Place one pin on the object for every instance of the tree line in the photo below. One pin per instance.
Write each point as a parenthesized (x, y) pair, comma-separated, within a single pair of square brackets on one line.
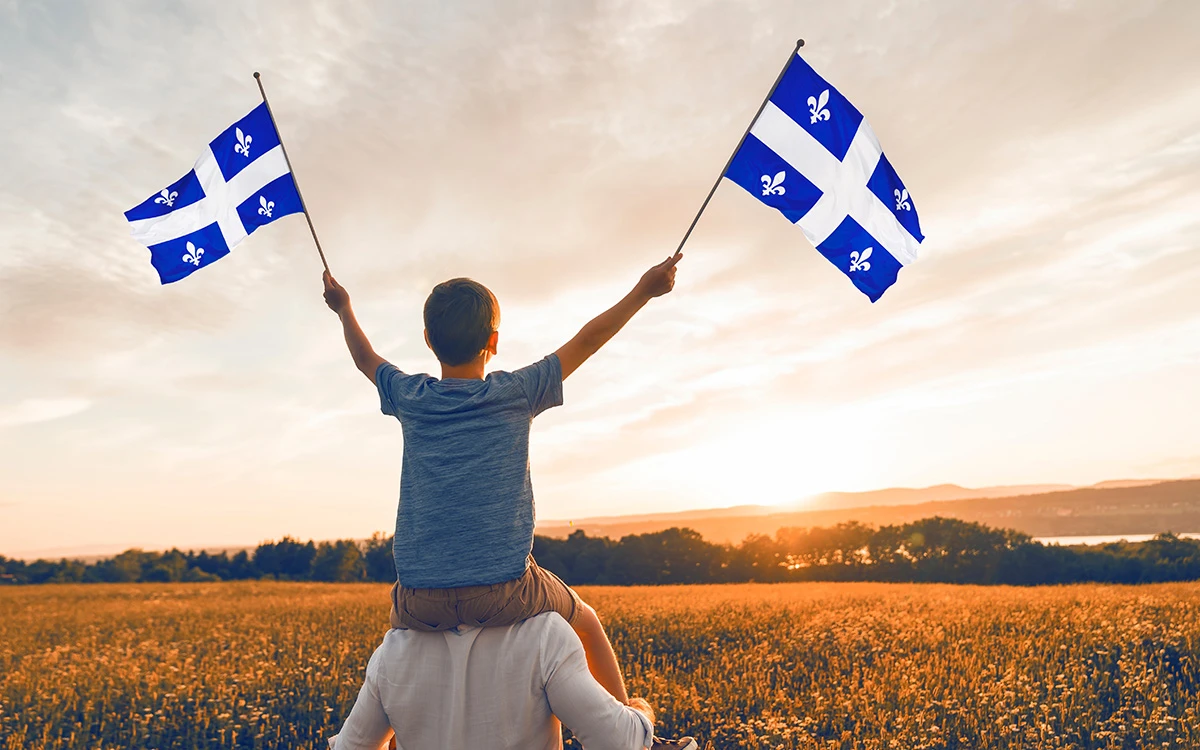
[(943, 550)]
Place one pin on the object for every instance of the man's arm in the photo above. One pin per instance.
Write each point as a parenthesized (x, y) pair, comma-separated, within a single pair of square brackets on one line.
[(368, 726), (590, 711), (654, 283), (365, 358)]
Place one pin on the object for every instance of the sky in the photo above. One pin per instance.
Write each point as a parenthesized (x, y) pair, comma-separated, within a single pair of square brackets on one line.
[(1049, 332)]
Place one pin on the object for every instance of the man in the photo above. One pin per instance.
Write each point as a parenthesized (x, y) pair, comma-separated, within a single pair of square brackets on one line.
[(499, 688)]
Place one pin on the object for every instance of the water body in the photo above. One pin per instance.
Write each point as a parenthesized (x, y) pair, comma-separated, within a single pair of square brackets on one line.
[(1067, 541)]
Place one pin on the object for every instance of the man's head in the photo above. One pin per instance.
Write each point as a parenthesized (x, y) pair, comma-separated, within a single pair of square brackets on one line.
[(461, 318)]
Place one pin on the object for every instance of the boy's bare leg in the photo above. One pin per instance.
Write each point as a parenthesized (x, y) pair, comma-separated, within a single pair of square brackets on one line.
[(601, 659)]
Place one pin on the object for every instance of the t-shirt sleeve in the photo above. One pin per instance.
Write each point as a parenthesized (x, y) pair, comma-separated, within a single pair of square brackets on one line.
[(394, 388), (368, 725), (543, 383), (586, 708)]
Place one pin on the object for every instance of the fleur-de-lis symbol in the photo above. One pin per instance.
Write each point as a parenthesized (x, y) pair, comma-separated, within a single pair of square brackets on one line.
[(265, 207), (167, 197), (193, 254), (243, 145), (774, 186), (816, 107), (859, 262), (902, 200)]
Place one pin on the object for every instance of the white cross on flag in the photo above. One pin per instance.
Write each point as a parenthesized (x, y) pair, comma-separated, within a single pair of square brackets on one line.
[(238, 184), (812, 155)]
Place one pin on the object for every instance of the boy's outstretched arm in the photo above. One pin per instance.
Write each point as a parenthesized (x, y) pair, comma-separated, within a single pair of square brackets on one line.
[(654, 283), (338, 299)]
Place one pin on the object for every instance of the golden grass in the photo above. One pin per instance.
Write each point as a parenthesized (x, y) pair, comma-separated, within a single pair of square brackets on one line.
[(267, 665)]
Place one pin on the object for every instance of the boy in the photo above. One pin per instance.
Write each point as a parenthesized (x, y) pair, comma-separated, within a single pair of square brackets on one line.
[(464, 528)]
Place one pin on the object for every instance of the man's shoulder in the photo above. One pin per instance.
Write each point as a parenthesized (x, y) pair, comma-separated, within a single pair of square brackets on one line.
[(546, 622), (544, 633), (538, 626), (550, 631)]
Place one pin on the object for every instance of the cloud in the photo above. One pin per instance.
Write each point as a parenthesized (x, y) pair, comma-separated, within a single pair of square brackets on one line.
[(554, 153), (35, 410)]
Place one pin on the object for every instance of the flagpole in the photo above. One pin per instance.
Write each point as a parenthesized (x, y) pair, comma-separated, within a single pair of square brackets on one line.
[(288, 161), (799, 44)]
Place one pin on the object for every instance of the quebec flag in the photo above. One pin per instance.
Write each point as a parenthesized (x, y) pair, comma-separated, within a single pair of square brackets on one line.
[(238, 184), (812, 156)]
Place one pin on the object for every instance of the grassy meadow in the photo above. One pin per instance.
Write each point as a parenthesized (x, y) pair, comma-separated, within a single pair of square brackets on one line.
[(822, 665)]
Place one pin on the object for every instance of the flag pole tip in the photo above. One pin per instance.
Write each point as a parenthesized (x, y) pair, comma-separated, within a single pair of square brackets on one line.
[(256, 75), (799, 43)]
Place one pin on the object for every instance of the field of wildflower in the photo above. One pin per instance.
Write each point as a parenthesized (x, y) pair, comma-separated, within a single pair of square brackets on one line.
[(277, 665)]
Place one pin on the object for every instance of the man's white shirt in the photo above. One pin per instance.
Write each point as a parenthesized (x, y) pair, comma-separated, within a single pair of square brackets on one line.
[(487, 688)]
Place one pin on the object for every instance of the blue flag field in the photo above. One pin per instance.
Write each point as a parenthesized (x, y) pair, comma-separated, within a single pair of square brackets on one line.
[(238, 184), (813, 157)]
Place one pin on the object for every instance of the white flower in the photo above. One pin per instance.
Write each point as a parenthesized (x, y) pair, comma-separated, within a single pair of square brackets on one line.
[(773, 186), (816, 107), (193, 254), (243, 145), (859, 262)]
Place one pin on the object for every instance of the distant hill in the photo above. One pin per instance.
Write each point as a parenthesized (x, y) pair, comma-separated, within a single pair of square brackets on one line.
[(1133, 507), (1115, 483), (905, 496), (1120, 506), (828, 500)]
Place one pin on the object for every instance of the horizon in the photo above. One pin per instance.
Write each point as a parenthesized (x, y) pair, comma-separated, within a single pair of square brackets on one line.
[(1048, 334), (102, 551)]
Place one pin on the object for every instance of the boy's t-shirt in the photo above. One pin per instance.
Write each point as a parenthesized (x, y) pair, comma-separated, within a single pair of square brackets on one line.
[(466, 500)]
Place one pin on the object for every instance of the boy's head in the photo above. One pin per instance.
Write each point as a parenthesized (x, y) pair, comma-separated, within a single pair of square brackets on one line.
[(461, 318)]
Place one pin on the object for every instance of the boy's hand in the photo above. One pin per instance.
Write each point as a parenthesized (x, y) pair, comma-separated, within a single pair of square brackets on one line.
[(660, 279), (338, 299), (654, 283), (336, 295)]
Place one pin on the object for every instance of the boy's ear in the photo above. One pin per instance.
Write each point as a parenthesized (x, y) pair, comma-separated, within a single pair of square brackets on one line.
[(427, 340), (492, 341)]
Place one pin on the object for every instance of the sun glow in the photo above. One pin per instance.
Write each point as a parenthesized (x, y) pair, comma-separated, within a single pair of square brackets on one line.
[(780, 458)]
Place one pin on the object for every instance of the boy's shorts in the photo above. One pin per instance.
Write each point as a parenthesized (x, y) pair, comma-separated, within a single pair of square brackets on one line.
[(536, 591)]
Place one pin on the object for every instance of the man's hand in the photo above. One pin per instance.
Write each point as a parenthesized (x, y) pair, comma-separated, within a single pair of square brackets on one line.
[(336, 295), (660, 279)]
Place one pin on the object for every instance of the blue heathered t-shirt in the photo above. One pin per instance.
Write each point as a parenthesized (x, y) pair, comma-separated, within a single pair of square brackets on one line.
[(466, 500)]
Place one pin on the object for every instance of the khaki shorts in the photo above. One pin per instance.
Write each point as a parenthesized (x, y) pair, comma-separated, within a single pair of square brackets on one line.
[(536, 591)]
